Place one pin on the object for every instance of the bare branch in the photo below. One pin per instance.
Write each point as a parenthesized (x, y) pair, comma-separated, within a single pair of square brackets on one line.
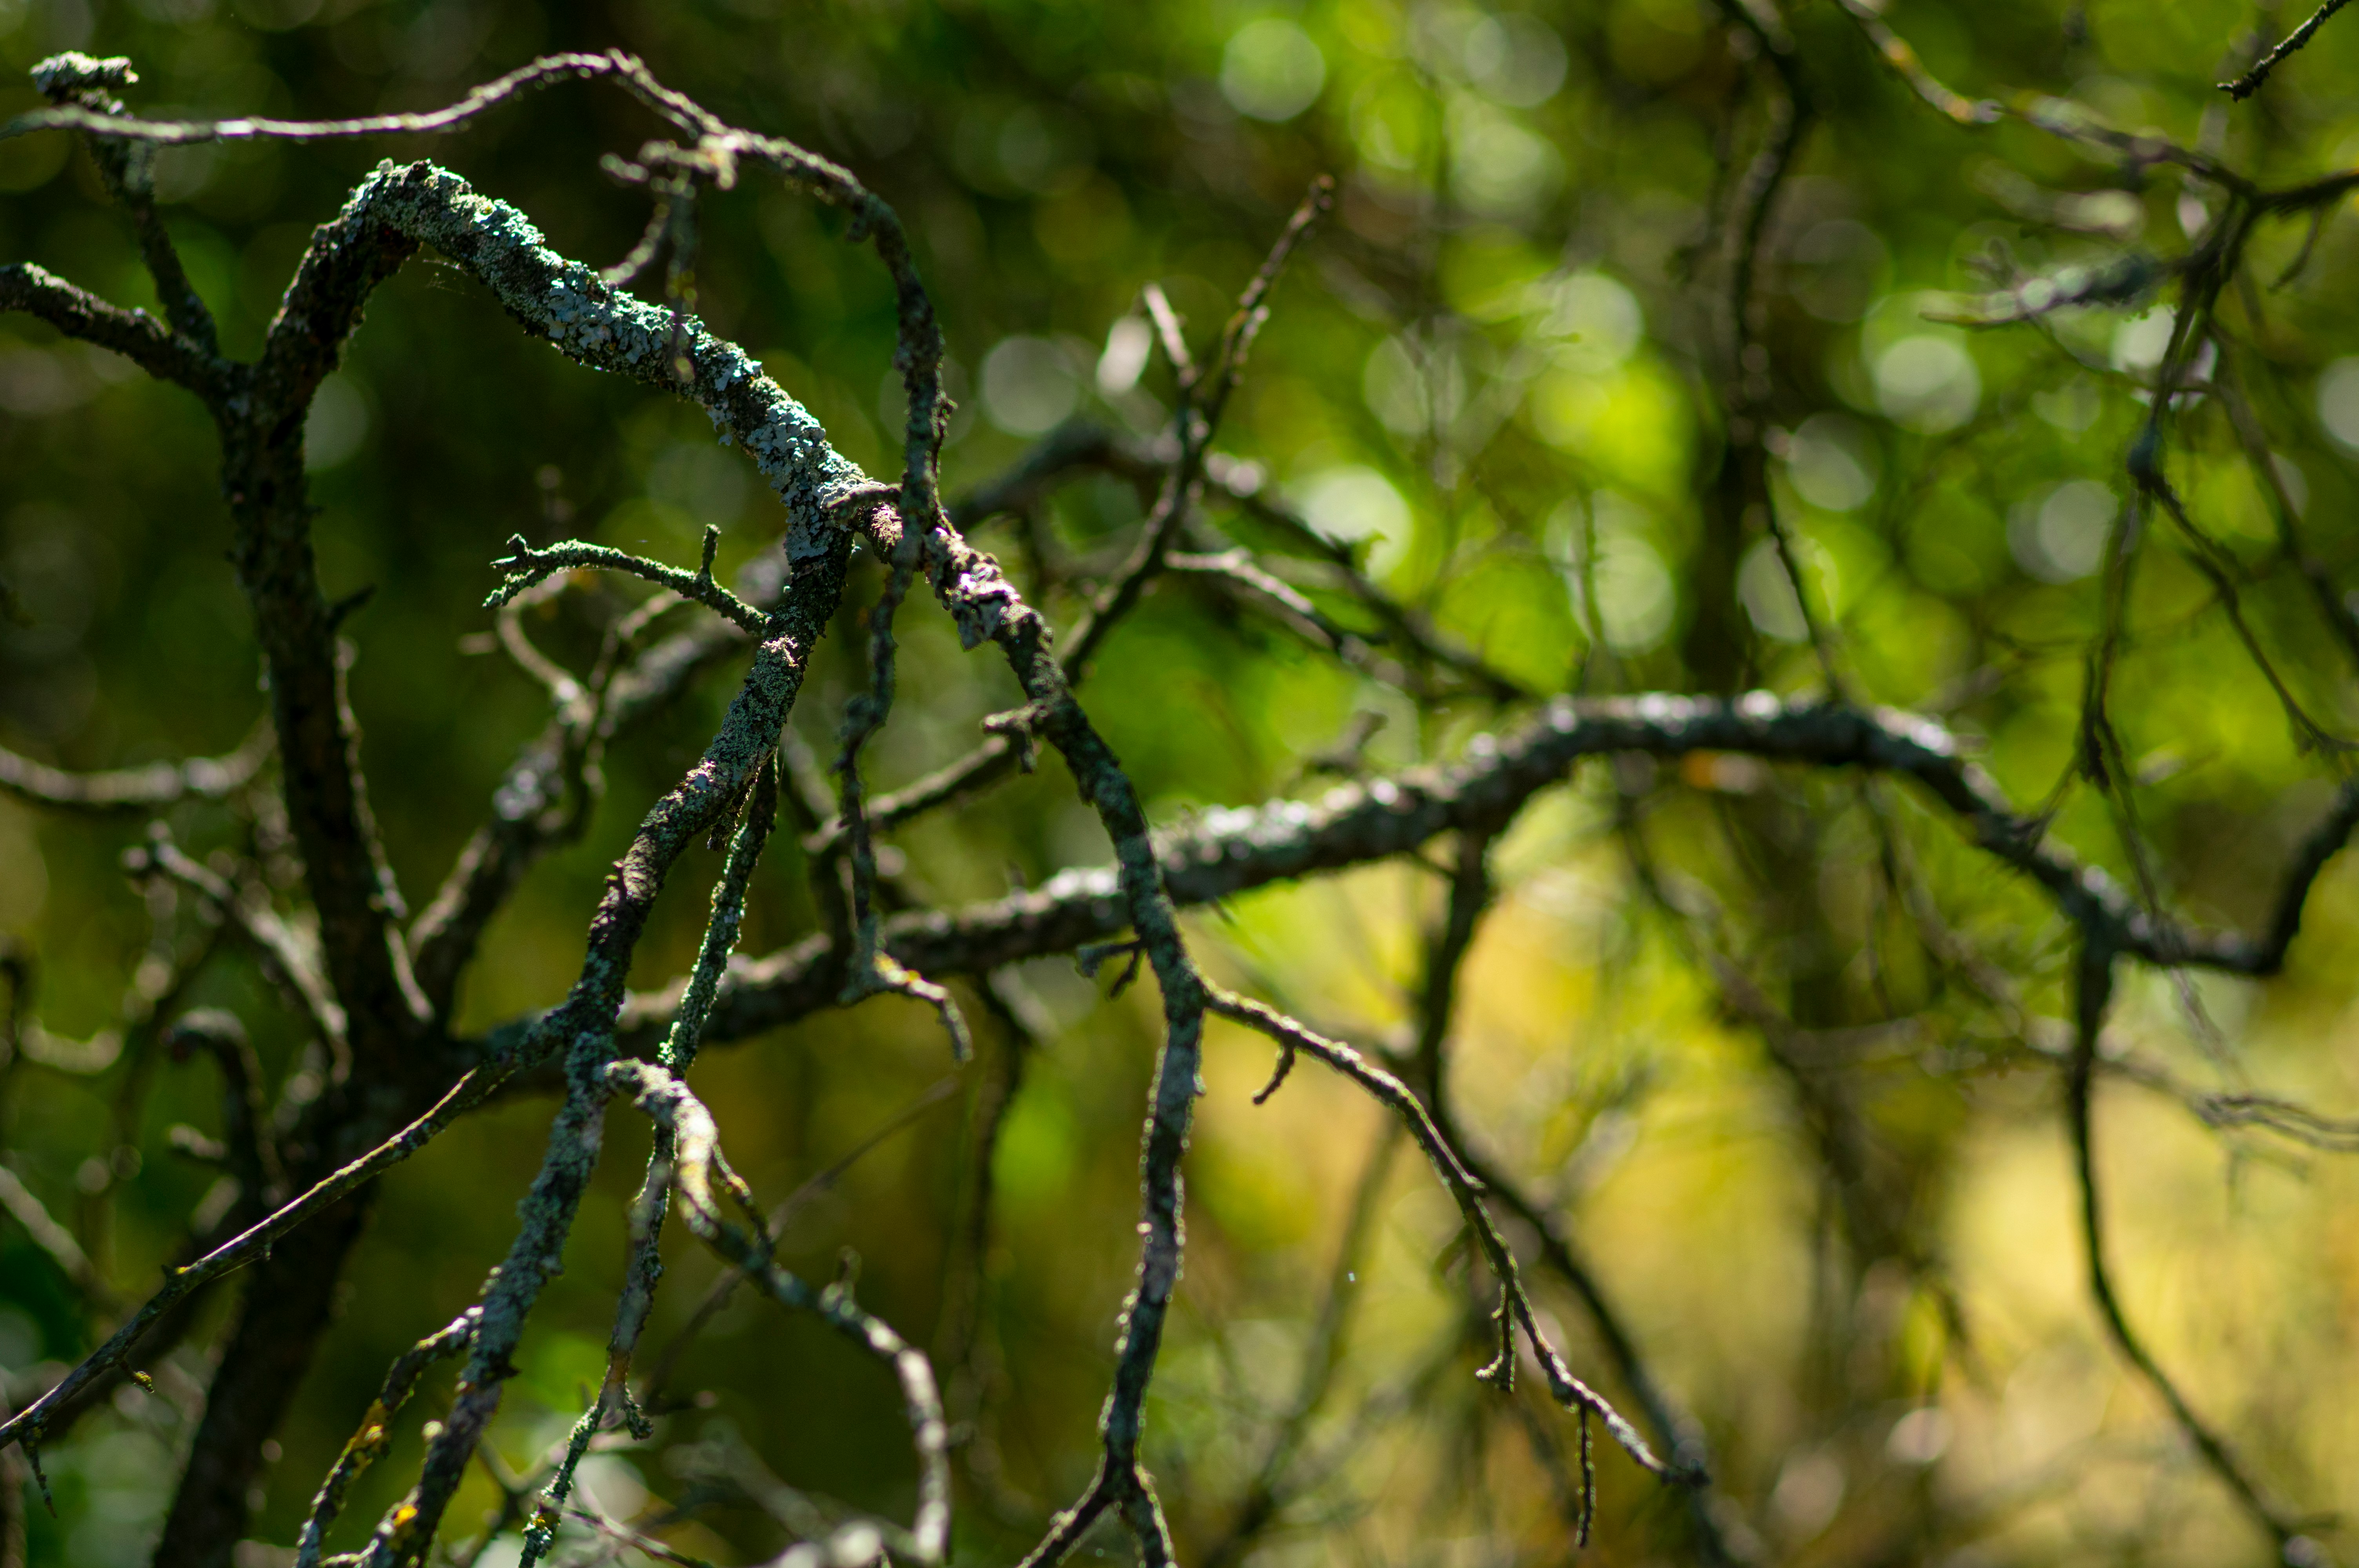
[(2093, 994), (1234, 850), (149, 788), (871, 971), (2244, 86), (253, 1153), (1568, 1390), (53, 1238), (1203, 398), (1897, 54), (136, 335), (290, 960), (127, 169), (524, 566), (756, 816), (389, 1024), (635, 1541), (697, 1152), (774, 1226), (1674, 1430), (546, 796), (493, 94), (372, 1441), (582, 1029), (30, 1424)]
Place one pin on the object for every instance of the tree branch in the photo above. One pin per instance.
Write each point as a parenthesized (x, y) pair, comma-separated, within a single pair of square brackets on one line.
[(371, 1441), (149, 788), (698, 1151), (30, 1424), (2244, 86), (2093, 992), (136, 335), (1236, 850), (53, 1238), (1516, 1309), (582, 1029)]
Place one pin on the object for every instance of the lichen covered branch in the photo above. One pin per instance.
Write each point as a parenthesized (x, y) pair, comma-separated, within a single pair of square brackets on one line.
[(696, 1155)]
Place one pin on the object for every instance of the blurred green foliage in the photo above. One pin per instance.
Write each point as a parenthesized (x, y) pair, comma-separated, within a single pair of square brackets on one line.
[(1499, 368)]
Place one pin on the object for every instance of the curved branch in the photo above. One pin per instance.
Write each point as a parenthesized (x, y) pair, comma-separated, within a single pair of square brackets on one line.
[(149, 788), (53, 1238), (524, 566), (1677, 1433), (1231, 851), (1202, 399), (371, 1441), (1567, 1390), (546, 796), (697, 1150), (2093, 992), (526, 79), (582, 1029), (756, 816), (1905, 64)]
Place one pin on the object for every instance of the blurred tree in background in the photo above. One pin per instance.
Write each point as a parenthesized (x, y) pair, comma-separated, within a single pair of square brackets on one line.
[(1988, 363)]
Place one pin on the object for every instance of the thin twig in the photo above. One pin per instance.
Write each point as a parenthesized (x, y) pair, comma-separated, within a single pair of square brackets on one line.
[(1204, 396), (1568, 1390), (371, 1441), (28, 1424), (2244, 86), (1903, 60), (1229, 852), (52, 1239), (774, 1228), (525, 566), (2093, 992), (696, 1157)]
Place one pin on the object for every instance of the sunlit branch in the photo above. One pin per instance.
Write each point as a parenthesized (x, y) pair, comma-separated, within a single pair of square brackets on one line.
[(757, 813), (872, 971), (1674, 1430), (1204, 395), (149, 788), (526, 565), (546, 796), (2093, 994), (581, 1029), (128, 171), (2244, 86), (481, 100), (1903, 60), (357, 979), (1568, 1391), (1234, 851), (775, 1224)]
